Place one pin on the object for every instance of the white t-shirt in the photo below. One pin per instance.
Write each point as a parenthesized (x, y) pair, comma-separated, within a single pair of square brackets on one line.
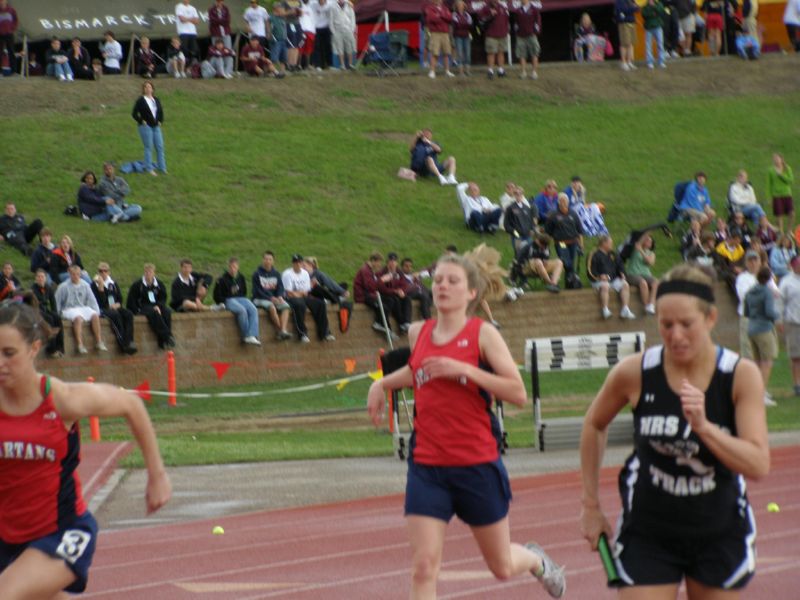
[(296, 282), (307, 22), (190, 12), (791, 15), (256, 18), (322, 18), (113, 52)]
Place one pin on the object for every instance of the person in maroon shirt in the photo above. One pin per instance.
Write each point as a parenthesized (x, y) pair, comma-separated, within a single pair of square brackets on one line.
[(462, 24), (494, 22), (366, 289), (219, 23), (528, 19), (437, 18), (8, 25), (255, 60)]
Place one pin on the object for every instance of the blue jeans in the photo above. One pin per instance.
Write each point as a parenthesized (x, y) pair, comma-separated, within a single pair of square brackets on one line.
[(59, 70), (463, 50), (151, 137), (246, 315), (753, 212), (568, 255), (132, 212), (658, 34)]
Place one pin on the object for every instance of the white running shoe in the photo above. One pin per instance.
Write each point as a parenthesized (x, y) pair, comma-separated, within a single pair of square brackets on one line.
[(624, 66), (534, 75), (451, 179), (650, 309), (606, 313), (432, 74), (552, 577), (101, 347), (626, 313), (449, 73), (443, 180)]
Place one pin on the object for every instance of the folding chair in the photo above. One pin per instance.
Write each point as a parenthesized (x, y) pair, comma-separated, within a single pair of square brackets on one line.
[(382, 54), (390, 362)]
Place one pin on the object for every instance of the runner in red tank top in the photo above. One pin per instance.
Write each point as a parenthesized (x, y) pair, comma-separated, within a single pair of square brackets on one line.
[(457, 363), (47, 537)]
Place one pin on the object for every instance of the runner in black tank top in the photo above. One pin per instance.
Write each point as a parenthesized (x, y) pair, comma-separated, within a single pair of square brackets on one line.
[(700, 428)]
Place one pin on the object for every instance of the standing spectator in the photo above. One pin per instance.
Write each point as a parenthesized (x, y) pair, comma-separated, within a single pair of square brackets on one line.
[(714, 10), (653, 14), (480, 214), (8, 26), (257, 19), (42, 255), (343, 32), (745, 280), (221, 59), (186, 20), (309, 29), (366, 290), (696, 202), (605, 271), (686, 16), (80, 62), (638, 272), (297, 283), (16, 231), (462, 36), (438, 17), (76, 303), (759, 308), (189, 289), (425, 158), (528, 26), (93, 204), (231, 290), (789, 321), (111, 51), (148, 297), (672, 29), (10, 286), (149, 115), (63, 258), (742, 198), (294, 35), (564, 226), (779, 188), (494, 19), (219, 24), (115, 187), (109, 298), (268, 293), (58, 61), (791, 18), (145, 59), (415, 289), (176, 59), (546, 201), (781, 256), (45, 295), (625, 14), (278, 46), (322, 34)]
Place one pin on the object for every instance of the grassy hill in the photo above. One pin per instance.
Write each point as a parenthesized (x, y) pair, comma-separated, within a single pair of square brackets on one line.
[(308, 164)]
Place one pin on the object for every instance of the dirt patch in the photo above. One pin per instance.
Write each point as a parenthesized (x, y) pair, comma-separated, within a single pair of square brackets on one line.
[(391, 136)]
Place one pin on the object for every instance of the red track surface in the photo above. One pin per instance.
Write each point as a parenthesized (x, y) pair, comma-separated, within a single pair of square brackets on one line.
[(98, 461), (359, 550)]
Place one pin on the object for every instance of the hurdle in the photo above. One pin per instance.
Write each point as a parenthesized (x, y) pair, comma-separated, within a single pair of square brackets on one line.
[(573, 353)]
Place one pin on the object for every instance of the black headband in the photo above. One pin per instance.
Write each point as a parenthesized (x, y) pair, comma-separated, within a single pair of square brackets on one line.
[(681, 286)]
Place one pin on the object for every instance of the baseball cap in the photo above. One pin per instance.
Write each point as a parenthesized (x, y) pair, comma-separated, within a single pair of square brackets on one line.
[(297, 257), (751, 254)]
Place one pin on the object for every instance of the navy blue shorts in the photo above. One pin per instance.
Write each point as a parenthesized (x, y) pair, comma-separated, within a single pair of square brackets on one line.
[(294, 35), (479, 495), (74, 545)]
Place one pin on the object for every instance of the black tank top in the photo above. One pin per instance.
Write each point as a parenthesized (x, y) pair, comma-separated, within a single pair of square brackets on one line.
[(672, 484)]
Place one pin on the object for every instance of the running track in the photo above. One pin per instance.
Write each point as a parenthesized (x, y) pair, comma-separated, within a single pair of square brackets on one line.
[(358, 549)]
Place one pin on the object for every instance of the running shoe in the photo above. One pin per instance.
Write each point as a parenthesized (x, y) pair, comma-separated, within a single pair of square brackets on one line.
[(552, 577)]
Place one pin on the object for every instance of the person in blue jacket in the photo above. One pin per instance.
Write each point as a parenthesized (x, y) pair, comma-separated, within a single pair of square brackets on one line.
[(696, 202)]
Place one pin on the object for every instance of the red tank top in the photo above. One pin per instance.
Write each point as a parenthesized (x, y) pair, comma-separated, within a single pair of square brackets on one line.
[(39, 489), (453, 421)]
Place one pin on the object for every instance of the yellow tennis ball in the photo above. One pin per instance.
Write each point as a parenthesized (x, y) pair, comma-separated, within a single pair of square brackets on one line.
[(218, 530), (773, 507)]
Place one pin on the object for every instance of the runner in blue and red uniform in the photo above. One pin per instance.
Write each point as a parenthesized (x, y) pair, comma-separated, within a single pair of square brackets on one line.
[(457, 364), (699, 429), (47, 536)]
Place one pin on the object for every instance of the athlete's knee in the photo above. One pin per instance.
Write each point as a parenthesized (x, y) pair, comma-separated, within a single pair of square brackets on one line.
[(425, 568), (501, 568)]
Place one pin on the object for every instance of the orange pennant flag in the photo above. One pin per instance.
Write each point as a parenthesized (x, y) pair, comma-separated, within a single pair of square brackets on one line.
[(221, 369), (143, 390), (349, 365)]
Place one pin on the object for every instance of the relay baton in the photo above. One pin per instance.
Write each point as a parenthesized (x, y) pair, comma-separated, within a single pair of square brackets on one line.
[(614, 580)]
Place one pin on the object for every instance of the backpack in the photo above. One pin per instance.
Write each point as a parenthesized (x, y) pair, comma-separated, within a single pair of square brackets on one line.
[(72, 211)]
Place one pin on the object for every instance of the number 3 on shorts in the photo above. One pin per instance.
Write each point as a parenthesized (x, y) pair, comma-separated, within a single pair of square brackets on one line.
[(73, 545)]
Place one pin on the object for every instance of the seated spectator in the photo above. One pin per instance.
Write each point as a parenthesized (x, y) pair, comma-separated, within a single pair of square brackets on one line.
[(231, 290), (323, 286), (109, 298), (721, 231), (519, 220), (534, 260), (588, 45), (696, 202), (638, 272), (425, 159), (576, 192), (35, 68), (189, 289), (221, 59), (10, 286), (80, 62), (366, 291), (16, 231), (391, 283), (564, 226), (747, 45), (297, 283), (480, 214), (146, 59), (730, 257), (415, 289), (93, 204), (692, 239), (111, 51), (546, 201), (176, 59), (44, 293), (114, 186), (737, 221), (148, 297), (76, 303), (62, 258), (255, 62), (763, 256), (766, 234), (780, 258), (742, 198), (590, 214), (705, 254), (268, 293), (58, 62), (606, 271), (42, 255)]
